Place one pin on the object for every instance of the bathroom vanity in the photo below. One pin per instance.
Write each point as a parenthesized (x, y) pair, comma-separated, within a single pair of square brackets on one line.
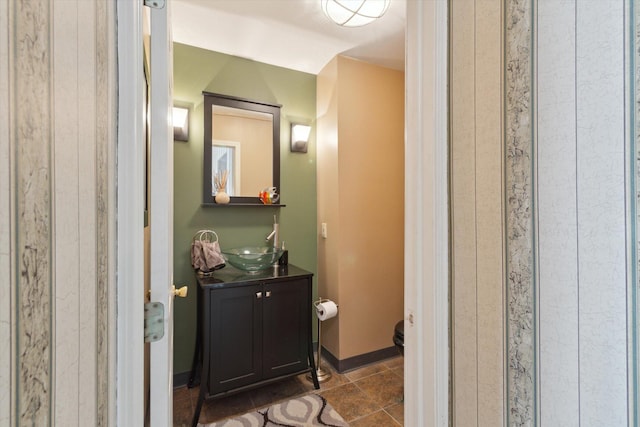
[(253, 329)]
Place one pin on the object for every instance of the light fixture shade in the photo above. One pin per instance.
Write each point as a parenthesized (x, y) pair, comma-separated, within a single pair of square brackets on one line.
[(180, 124), (299, 137), (354, 13)]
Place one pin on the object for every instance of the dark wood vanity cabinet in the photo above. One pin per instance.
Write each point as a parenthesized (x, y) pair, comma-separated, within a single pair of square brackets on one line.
[(258, 332), (253, 329)]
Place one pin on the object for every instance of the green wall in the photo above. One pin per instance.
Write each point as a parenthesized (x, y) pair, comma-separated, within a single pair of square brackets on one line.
[(196, 70)]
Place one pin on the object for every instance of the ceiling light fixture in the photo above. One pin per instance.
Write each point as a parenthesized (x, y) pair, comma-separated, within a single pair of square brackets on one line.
[(354, 13)]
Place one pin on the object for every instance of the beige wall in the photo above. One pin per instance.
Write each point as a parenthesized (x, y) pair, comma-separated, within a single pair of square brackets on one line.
[(328, 203), (361, 199)]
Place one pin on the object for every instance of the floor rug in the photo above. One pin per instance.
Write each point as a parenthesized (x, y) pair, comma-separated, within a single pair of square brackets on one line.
[(311, 410)]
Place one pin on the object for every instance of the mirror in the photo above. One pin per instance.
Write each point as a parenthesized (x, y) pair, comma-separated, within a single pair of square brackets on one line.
[(242, 140)]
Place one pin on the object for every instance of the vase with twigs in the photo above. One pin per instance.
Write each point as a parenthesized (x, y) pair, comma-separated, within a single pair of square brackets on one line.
[(220, 182)]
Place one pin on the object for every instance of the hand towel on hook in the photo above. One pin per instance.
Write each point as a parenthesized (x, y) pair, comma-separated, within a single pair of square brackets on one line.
[(205, 253)]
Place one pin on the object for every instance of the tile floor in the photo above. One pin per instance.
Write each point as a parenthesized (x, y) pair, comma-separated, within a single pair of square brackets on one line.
[(365, 397)]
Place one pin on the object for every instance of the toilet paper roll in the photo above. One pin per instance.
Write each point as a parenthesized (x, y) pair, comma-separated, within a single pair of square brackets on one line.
[(326, 310)]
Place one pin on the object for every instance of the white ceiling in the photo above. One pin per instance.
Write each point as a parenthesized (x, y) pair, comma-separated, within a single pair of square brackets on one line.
[(293, 34)]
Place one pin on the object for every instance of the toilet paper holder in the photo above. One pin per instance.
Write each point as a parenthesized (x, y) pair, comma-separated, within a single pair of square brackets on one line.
[(320, 301), (318, 305), (321, 374)]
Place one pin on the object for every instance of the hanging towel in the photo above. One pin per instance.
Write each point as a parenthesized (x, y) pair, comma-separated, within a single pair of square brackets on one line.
[(212, 256), (197, 256), (205, 254)]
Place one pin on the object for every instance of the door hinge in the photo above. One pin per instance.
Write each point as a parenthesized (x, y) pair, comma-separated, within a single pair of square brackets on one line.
[(153, 321), (156, 4)]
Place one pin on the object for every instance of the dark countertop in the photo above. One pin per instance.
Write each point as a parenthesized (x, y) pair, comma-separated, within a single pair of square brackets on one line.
[(230, 276)]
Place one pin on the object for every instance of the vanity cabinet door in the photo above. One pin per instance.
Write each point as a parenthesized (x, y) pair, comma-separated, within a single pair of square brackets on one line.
[(236, 337), (286, 326)]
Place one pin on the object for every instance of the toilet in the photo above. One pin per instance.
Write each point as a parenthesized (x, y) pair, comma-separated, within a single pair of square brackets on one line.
[(398, 336)]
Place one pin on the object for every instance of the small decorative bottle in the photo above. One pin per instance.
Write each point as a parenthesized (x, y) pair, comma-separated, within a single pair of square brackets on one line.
[(222, 198)]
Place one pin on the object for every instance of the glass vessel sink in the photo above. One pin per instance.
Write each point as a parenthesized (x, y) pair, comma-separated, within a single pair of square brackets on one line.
[(252, 258)]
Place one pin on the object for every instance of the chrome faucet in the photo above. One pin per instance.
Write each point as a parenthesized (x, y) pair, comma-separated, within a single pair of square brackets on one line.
[(274, 234)]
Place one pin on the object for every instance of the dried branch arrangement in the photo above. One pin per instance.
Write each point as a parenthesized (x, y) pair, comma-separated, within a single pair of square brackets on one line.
[(220, 180)]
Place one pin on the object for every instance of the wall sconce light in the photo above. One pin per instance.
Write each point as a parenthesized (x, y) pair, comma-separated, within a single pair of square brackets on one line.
[(354, 13), (180, 124), (299, 137)]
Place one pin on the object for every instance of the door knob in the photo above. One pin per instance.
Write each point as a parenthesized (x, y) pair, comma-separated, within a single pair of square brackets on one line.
[(182, 292)]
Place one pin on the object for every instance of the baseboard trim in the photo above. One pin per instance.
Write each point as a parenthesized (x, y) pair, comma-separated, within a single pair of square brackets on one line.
[(360, 360), (181, 379)]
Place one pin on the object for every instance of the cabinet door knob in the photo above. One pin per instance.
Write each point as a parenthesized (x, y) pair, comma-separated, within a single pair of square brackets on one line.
[(268, 294), (258, 295)]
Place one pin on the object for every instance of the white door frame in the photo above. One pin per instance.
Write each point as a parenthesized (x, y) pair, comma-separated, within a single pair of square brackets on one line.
[(161, 213), (426, 217), (129, 388), (129, 393)]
